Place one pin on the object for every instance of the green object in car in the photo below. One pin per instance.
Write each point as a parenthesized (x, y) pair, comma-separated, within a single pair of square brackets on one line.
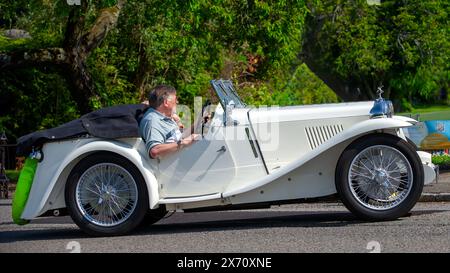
[(23, 190)]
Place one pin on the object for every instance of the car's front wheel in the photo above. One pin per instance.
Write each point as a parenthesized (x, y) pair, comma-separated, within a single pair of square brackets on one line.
[(106, 195), (379, 177)]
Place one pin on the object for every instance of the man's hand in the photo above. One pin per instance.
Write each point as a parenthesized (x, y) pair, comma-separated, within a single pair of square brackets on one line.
[(206, 118), (177, 119), (190, 139)]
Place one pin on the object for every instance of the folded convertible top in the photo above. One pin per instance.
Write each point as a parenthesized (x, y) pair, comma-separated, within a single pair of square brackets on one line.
[(111, 122)]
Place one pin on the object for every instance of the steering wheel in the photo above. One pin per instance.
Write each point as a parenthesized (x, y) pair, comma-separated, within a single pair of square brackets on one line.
[(206, 114)]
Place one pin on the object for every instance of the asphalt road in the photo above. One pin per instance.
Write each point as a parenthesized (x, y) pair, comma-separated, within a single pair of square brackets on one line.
[(322, 227)]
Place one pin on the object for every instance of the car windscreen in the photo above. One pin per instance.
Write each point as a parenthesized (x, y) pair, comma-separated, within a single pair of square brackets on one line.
[(226, 93)]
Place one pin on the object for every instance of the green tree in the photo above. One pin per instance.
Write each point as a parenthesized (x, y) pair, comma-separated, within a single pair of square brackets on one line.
[(186, 43), (106, 52), (61, 36), (403, 45)]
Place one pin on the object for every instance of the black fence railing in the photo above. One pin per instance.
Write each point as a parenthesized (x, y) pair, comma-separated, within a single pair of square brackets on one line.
[(10, 155)]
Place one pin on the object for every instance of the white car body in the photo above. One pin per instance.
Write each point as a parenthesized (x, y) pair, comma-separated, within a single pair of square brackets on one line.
[(263, 155)]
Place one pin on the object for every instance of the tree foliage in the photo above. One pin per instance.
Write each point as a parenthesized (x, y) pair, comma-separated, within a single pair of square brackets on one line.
[(66, 60), (403, 45), (183, 43)]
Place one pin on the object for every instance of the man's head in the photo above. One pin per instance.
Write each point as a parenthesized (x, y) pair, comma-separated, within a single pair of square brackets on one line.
[(164, 99)]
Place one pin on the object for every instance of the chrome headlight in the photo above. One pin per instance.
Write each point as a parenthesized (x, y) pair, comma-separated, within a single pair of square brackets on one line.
[(382, 108)]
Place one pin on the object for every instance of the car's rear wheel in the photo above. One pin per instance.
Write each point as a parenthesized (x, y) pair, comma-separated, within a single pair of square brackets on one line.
[(379, 177), (106, 195)]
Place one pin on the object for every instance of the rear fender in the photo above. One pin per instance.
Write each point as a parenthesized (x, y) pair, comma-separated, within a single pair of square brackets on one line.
[(53, 185)]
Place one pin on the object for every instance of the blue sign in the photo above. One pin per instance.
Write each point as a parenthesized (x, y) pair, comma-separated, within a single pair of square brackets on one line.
[(430, 134)]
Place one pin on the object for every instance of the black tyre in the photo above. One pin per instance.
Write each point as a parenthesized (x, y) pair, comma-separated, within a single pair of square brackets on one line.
[(106, 195), (413, 145), (379, 177), (154, 215)]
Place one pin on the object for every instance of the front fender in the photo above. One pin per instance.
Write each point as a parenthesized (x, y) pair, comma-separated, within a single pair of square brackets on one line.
[(358, 129), (38, 201), (371, 125)]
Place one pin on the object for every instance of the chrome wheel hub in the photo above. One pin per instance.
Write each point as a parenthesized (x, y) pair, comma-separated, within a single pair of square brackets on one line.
[(380, 176), (107, 193)]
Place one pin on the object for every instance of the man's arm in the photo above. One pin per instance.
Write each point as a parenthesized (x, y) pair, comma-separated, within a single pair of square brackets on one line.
[(163, 149), (168, 148)]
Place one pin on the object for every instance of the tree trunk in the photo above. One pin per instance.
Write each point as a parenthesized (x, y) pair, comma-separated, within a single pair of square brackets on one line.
[(44, 56), (142, 75), (71, 58)]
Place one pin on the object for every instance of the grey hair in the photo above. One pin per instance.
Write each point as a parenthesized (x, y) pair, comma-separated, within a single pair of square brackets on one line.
[(160, 93)]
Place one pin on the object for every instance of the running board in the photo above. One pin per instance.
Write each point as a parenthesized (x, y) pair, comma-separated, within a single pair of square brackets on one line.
[(188, 199)]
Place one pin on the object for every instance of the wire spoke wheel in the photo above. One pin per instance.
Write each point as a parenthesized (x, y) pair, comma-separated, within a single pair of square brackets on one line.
[(380, 177), (106, 194)]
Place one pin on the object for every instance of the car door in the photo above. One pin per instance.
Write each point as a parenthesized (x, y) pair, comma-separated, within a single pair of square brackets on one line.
[(206, 167)]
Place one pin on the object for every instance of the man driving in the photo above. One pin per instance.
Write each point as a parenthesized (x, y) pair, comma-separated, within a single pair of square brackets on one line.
[(160, 126)]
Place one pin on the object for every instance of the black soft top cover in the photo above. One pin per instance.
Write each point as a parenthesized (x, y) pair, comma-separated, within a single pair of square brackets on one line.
[(112, 122)]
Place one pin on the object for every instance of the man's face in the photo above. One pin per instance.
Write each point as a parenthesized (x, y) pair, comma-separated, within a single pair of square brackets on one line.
[(171, 103)]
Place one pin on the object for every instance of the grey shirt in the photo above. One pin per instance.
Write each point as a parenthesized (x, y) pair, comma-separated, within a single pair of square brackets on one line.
[(156, 128)]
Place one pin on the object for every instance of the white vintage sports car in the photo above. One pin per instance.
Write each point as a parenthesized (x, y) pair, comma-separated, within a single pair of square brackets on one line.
[(248, 158)]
